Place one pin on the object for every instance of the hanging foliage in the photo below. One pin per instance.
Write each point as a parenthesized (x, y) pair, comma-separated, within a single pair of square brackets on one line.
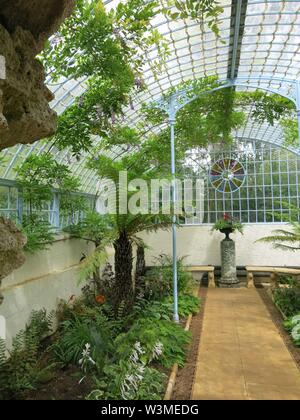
[(110, 48), (290, 129)]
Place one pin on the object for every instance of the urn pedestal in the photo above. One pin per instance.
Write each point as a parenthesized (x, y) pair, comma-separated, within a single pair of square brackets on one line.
[(228, 264)]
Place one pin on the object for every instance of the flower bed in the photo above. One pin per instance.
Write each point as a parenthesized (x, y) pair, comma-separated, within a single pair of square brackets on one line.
[(287, 300), (99, 352)]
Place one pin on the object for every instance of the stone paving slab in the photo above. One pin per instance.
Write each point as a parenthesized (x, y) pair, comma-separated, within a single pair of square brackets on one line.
[(241, 354)]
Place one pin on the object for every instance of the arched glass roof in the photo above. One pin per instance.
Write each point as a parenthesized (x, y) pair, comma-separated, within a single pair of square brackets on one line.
[(259, 48)]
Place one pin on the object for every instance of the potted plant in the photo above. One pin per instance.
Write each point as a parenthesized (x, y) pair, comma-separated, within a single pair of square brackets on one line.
[(228, 225)]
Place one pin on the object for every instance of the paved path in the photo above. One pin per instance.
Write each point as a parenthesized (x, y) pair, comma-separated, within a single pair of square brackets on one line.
[(241, 354)]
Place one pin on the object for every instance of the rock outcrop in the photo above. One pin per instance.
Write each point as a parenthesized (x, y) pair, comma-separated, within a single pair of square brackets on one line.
[(11, 249), (25, 25), (25, 114), (40, 17)]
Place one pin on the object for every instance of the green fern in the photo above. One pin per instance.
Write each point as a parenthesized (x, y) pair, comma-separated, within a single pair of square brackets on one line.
[(286, 239), (3, 356), (21, 370), (92, 263), (78, 331), (150, 331)]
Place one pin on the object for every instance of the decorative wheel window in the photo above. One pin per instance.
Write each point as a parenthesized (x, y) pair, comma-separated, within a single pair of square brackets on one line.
[(227, 175)]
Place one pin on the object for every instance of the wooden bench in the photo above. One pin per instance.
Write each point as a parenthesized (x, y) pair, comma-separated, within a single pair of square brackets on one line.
[(273, 271), (209, 269)]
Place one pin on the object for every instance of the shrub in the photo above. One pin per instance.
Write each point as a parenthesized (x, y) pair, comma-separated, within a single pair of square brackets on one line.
[(228, 222), (39, 233), (288, 300), (131, 378), (22, 370), (187, 304), (289, 280), (148, 332), (76, 332), (159, 280), (163, 309), (292, 325)]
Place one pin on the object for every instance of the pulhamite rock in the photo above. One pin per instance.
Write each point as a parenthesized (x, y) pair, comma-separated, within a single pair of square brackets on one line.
[(12, 242)]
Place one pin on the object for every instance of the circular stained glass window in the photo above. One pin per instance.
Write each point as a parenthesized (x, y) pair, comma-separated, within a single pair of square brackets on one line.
[(227, 175)]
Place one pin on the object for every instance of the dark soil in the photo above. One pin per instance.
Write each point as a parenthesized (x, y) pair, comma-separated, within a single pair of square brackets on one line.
[(278, 321), (185, 376), (63, 385)]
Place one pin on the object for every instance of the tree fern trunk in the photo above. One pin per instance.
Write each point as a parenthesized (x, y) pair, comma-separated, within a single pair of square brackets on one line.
[(123, 270), (140, 268)]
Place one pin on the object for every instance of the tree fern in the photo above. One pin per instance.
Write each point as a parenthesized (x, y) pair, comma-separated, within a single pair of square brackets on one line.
[(286, 239), (283, 239)]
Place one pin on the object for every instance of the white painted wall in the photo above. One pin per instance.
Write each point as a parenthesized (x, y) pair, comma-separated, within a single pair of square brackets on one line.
[(51, 275), (201, 246), (45, 278)]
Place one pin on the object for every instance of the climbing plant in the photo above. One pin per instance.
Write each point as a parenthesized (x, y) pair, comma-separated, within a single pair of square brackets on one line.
[(102, 41), (101, 45)]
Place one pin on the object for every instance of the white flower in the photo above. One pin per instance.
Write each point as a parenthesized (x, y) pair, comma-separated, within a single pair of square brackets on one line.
[(86, 358), (135, 373), (138, 347), (141, 368), (134, 357), (91, 361), (157, 350), (86, 351), (124, 392)]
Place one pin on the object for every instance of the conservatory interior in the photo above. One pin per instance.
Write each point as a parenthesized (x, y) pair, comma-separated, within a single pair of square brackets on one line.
[(149, 200)]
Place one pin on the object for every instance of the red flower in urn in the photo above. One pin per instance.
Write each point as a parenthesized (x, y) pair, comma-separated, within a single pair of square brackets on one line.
[(227, 217), (228, 225)]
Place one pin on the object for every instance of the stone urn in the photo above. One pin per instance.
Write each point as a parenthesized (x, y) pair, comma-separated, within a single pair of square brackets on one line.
[(228, 261), (227, 232)]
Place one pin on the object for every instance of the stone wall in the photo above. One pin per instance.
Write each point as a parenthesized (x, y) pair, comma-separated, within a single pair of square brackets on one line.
[(40, 17), (25, 114), (11, 249)]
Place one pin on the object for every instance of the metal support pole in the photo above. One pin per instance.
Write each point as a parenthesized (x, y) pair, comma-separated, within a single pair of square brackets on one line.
[(174, 230), (20, 205), (236, 38), (56, 211), (298, 107)]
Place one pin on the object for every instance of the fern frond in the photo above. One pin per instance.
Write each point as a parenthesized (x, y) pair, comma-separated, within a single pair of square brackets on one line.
[(3, 357), (286, 247), (92, 263)]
